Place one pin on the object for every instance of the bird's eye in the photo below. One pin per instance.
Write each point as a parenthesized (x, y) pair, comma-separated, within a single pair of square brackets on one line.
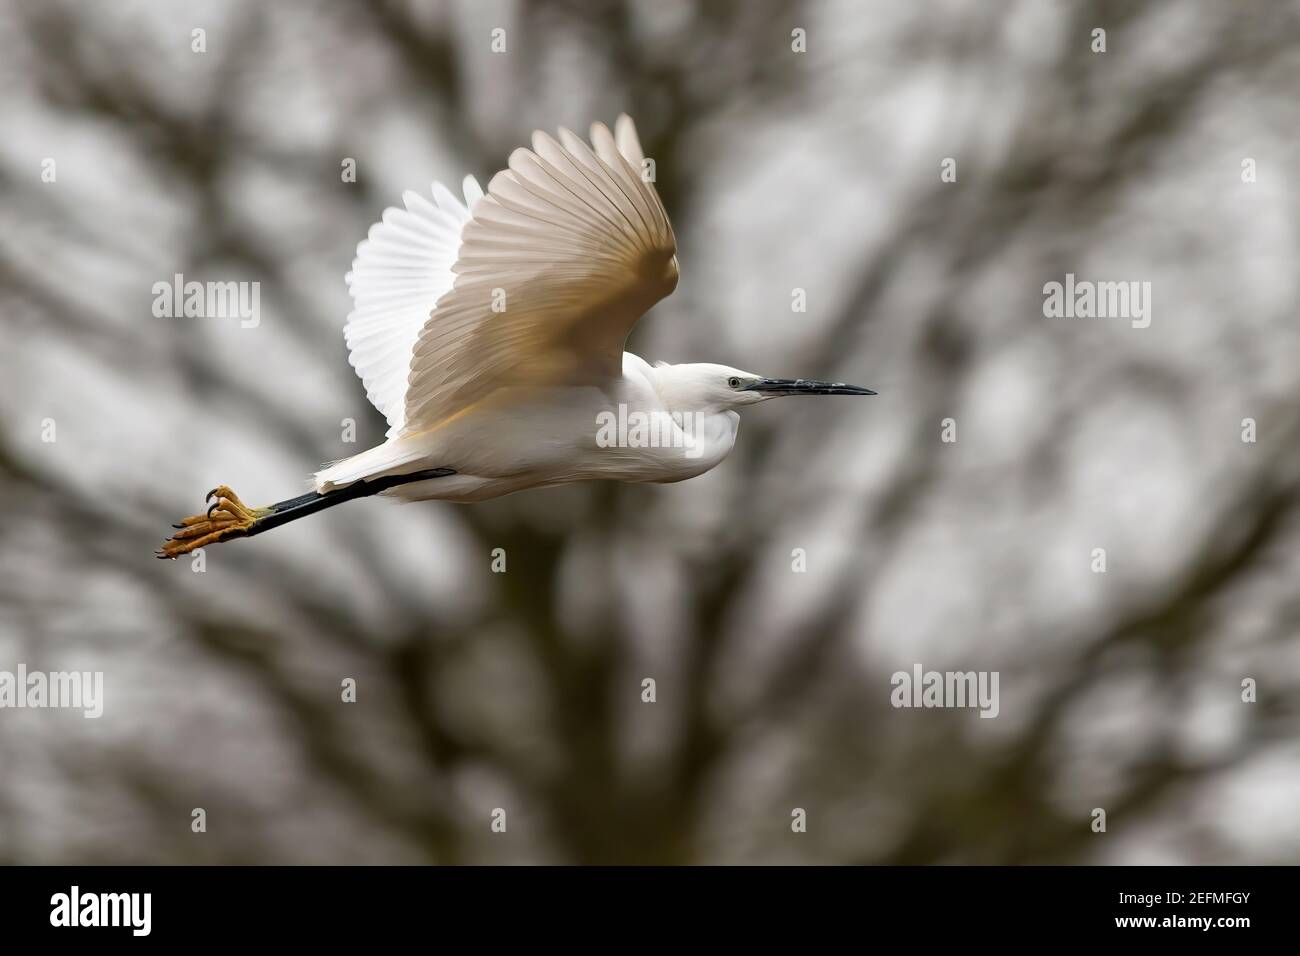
[(734, 382)]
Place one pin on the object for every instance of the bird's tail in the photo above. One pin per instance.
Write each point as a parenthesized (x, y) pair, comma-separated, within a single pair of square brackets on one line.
[(376, 462)]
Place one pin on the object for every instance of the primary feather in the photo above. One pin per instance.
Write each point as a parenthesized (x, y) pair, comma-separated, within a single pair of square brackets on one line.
[(403, 266), (565, 252)]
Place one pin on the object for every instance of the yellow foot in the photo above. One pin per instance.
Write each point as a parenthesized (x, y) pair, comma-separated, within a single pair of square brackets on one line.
[(226, 518)]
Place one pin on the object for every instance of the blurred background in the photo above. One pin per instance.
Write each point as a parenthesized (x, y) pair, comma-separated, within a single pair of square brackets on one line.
[(523, 691)]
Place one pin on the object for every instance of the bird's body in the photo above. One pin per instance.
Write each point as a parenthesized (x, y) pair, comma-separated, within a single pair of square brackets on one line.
[(530, 437), (489, 333)]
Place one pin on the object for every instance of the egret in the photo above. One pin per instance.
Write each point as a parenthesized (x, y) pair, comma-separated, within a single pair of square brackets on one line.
[(489, 333)]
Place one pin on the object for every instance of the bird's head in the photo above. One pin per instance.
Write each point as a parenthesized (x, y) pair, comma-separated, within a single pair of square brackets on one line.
[(709, 387)]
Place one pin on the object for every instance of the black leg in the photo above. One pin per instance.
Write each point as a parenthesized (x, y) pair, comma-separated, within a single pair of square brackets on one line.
[(282, 512)]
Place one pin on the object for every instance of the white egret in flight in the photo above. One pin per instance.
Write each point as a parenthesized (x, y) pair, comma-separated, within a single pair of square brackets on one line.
[(490, 335)]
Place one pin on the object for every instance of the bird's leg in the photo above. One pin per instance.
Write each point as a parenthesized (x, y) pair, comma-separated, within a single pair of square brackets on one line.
[(228, 517)]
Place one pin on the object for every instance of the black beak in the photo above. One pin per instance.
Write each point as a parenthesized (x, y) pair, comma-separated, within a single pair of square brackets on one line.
[(804, 386)]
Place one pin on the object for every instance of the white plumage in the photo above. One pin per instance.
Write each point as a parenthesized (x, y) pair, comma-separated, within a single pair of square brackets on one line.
[(477, 315), (489, 333), (403, 267)]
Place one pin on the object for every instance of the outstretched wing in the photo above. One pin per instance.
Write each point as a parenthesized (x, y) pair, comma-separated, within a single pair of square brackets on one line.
[(568, 248), (401, 270)]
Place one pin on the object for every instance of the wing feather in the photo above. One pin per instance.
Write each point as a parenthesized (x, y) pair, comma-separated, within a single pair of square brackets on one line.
[(567, 249), (402, 268)]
